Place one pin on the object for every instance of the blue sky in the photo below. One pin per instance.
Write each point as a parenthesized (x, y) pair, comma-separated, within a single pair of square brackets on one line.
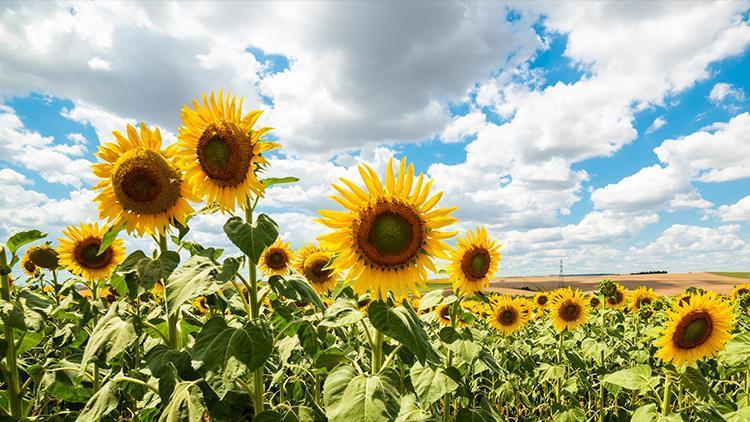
[(576, 132)]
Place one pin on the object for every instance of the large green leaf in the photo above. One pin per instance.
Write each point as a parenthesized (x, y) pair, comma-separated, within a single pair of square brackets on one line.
[(110, 236), (341, 313), (152, 270), (100, 404), (411, 411), (227, 353), (270, 181), (349, 396), (296, 289), (186, 404), (198, 276), (110, 337), (475, 415), (28, 311), (737, 351), (252, 239), (19, 239), (635, 378), (431, 384), (403, 325)]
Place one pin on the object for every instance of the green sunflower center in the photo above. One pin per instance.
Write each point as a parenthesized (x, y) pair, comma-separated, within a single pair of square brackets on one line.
[(570, 312), (507, 317), (225, 153), (87, 254), (145, 183), (476, 263), (693, 330), (389, 235)]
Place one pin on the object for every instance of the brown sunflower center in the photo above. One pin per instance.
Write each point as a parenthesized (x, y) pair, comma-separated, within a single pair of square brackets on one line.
[(389, 235), (542, 300), (225, 153), (445, 313), (276, 259), (508, 317), (594, 301), (145, 183), (475, 263), (29, 266), (616, 298), (87, 254), (742, 291), (315, 268), (693, 330), (643, 301), (570, 312), (44, 256)]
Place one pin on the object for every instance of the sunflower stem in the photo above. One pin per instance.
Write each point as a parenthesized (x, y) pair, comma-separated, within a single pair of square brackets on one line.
[(448, 364), (94, 293), (14, 398), (172, 320), (259, 387), (602, 391), (666, 401), (560, 346), (377, 350), (747, 385)]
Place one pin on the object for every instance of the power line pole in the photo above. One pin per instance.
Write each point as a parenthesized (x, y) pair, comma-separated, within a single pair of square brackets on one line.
[(561, 278)]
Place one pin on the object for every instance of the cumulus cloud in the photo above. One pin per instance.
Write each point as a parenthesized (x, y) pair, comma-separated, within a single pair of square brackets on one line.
[(657, 124), (739, 211), (723, 91)]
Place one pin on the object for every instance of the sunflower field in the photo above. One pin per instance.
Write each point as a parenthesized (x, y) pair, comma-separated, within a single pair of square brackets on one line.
[(338, 330)]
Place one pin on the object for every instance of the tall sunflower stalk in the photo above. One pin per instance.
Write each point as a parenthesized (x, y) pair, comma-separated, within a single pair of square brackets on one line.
[(11, 364)]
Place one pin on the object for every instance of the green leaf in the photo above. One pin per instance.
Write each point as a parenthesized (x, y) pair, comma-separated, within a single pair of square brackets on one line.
[(349, 396), (343, 312), (110, 337), (737, 351), (649, 413), (330, 358), (635, 378), (270, 181), (296, 289), (28, 311), (435, 298), (227, 353), (252, 239), (474, 415), (101, 404), (467, 349), (186, 404), (152, 270), (110, 236), (198, 276), (403, 325), (574, 414), (19, 239), (410, 410), (431, 384)]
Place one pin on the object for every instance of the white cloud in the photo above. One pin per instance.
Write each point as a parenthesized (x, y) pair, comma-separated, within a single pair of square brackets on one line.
[(97, 63), (56, 163), (657, 124), (463, 127), (724, 91), (12, 177), (715, 154), (739, 211)]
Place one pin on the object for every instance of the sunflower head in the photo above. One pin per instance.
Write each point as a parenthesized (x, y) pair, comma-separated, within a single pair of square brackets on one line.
[(221, 152), (698, 329), (276, 259), (28, 266), (474, 262), (618, 299), (541, 300), (389, 233), (642, 296), (200, 305), (443, 314), (79, 252), (157, 292), (44, 257), (741, 294), (108, 294), (141, 184), (568, 309), (509, 315), (315, 263), (594, 301), (48, 289)]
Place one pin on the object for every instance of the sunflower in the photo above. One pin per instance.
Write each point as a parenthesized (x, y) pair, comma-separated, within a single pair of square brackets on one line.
[(157, 292), (742, 289), (696, 329), (642, 296), (619, 298), (28, 265), (568, 309), (541, 300), (473, 262), (594, 301), (508, 315), (200, 305), (108, 294), (443, 314), (276, 259), (682, 299), (220, 151), (48, 289), (142, 185), (44, 257), (79, 252), (85, 292), (388, 235), (316, 264)]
